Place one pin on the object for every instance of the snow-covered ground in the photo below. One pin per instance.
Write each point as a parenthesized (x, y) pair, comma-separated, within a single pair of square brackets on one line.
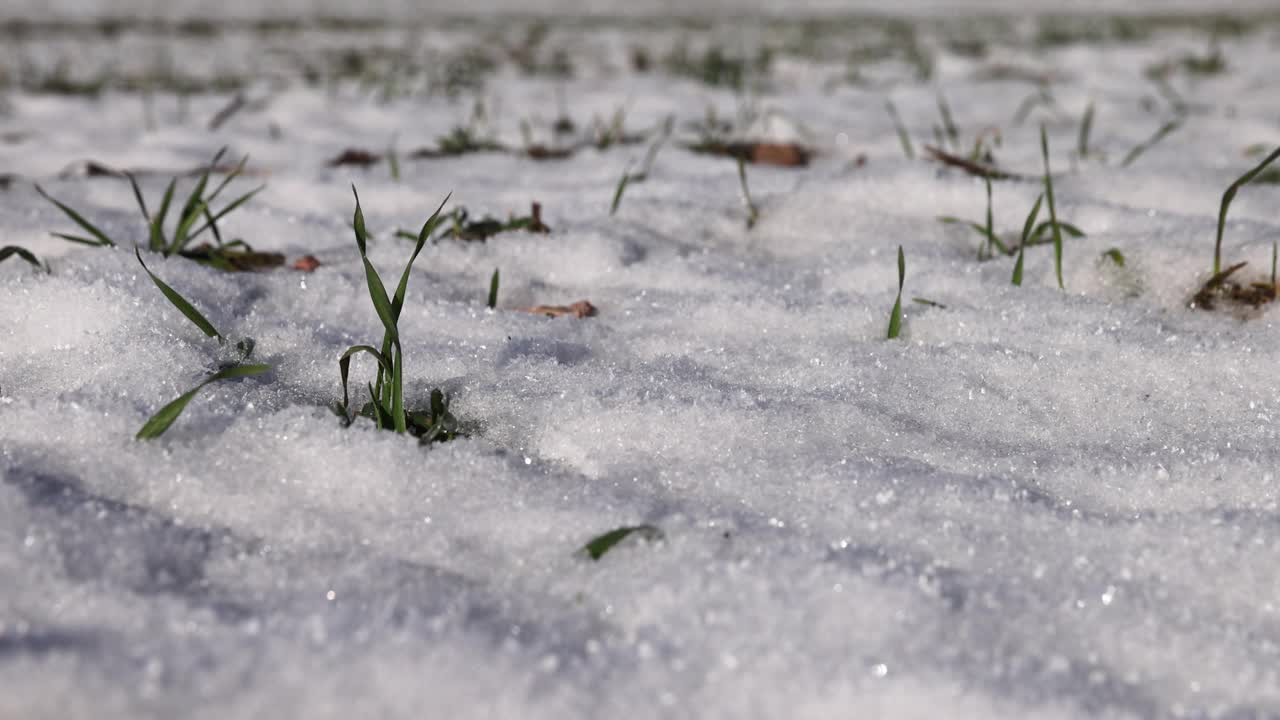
[(1036, 503)]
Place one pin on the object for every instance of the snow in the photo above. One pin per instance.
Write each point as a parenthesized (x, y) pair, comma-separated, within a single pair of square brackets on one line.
[(1035, 504)]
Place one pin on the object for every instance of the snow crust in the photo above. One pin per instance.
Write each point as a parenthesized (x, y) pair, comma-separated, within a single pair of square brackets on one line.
[(1035, 504)]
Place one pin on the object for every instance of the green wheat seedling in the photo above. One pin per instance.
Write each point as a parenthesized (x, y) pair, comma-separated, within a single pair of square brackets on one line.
[(895, 316), (197, 207), (753, 213), (985, 231), (165, 417), (1228, 196), (386, 404), (9, 251)]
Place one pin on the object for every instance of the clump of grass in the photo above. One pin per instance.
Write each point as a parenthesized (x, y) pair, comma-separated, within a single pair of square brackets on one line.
[(198, 206), (895, 316), (753, 213), (9, 251), (1228, 196), (386, 406), (462, 227), (462, 140), (596, 547), (167, 415)]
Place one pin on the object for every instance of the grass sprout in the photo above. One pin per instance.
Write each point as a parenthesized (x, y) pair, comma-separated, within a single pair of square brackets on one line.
[(895, 316), (1115, 256), (596, 547), (493, 290), (1230, 195), (386, 404)]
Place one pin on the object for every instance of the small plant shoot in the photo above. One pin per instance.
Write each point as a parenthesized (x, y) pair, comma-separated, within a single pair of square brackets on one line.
[(601, 544), (895, 316)]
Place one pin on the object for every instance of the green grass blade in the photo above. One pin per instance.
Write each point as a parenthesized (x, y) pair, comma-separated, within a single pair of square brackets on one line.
[(599, 545), (1026, 237), (397, 391), (428, 228), (493, 290), (235, 173), (1230, 195), (903, 137), (161, 421), (1115, 256), (990, 231), (948, 124), (157, 242), (78, 219), (137, 194), (77, 239), (381, 303), (180, 234), (9, 251), (1086, 127), (895, 316), (617, 194), (357, 223), (212, 221), (344, 366), (1053, 212), (1146, 145), (1031, 219), (180, 302), (753, 214)]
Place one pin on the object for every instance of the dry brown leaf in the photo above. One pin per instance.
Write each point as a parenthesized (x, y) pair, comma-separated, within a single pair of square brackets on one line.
[(306, 263), (580, 309)]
